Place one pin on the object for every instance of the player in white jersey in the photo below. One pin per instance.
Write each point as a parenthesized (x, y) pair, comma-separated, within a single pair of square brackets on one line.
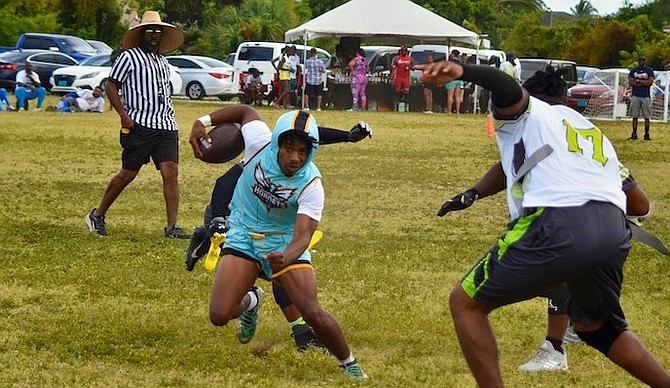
[(564, 195)]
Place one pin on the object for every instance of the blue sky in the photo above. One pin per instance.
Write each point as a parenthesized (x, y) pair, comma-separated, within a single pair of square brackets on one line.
[(604, 7)]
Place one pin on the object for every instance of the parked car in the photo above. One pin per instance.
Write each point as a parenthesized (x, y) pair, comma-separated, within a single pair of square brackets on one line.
[(93, 72), (204, 76), (73, 46), (44, 63), (230, 59), (100, 47), (380, 58), (585, 72), (530, 65), (261, 55), (599, 89)]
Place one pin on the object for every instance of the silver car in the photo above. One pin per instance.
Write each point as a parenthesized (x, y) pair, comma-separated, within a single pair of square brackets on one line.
[(204, 76)]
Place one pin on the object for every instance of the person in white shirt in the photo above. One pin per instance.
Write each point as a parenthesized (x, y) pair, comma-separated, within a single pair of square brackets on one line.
[(29, 87), (561, 175)]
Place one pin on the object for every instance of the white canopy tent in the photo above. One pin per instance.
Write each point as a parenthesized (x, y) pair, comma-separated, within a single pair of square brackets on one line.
[(398, 22), (387, 21)]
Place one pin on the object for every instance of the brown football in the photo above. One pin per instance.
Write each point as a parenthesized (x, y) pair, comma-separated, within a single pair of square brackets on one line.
[(227, 144)]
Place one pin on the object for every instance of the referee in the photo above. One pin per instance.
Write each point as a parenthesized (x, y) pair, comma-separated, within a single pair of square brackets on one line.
[(148, 127)]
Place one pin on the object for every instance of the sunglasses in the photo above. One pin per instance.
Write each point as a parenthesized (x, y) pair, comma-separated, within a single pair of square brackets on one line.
[(153, 31)]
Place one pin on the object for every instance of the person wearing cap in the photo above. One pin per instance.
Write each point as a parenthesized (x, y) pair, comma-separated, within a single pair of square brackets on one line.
[(564, 193), (276, 206), (148, 126), (400, 76), (640, 78)]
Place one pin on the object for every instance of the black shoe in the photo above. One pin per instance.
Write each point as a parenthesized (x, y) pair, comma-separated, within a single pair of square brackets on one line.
[(96, 224), (197, 248), (647, 137), (633, 136), (176, 232), (304, 337)]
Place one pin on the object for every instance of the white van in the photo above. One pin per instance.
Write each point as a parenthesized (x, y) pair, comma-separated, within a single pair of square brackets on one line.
[(441, 52), (261, 55)]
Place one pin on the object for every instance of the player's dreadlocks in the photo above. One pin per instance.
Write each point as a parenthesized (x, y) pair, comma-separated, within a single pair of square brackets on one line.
[(548, 85)]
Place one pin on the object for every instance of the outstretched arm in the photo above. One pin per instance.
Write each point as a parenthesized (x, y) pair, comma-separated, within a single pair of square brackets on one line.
[(509, 99), (331, 135)]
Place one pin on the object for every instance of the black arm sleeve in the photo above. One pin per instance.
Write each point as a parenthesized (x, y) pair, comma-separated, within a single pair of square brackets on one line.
[(505, 91), (332, 135)]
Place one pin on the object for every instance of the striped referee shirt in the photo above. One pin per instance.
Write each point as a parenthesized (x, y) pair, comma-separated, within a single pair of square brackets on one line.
[(145, 86)]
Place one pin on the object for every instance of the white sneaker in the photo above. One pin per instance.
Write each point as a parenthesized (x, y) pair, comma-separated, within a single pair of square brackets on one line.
[(546, 359), (570, 337)]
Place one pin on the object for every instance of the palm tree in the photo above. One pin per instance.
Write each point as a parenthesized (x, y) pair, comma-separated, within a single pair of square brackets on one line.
[(584, 9), (253, 20)]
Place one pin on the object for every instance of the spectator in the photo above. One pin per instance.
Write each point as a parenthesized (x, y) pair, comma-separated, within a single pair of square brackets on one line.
[(512, 67), (5, 104), (29, 87), (295, 75), (84, 100), (400, 75), (253, 87), (314, 71), (454, 88), (428, 89), (640, 78), (358, 67), (285, 70), (148, 125)]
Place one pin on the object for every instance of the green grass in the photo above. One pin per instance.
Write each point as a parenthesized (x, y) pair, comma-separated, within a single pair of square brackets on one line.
[(78, 310)]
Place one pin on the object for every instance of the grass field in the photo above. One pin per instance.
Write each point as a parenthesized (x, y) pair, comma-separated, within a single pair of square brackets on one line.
[(77, 310)]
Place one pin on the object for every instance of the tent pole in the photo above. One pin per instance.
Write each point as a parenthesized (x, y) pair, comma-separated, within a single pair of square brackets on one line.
[(304, 78)]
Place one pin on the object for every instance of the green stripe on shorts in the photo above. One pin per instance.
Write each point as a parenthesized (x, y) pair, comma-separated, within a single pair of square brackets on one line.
[(478, 275)]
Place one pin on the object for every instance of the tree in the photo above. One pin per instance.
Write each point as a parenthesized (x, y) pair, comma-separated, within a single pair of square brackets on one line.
[(19, 16), (584, 9), (262, 20)]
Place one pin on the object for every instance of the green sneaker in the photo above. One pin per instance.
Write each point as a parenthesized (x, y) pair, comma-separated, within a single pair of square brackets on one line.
[(354, 371), (246, 324)]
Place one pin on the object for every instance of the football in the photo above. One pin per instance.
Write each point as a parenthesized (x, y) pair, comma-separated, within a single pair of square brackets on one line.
[(227, 143)]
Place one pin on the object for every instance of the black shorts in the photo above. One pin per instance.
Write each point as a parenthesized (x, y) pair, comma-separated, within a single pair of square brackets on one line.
[(583, 246), (142, 143), (314, 90)]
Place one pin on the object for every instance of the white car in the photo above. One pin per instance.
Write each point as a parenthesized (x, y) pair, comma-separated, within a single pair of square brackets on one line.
[(93, 72), (204, 76)]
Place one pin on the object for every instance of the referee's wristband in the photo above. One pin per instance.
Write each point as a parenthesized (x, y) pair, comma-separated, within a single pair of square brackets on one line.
[(206, 120)]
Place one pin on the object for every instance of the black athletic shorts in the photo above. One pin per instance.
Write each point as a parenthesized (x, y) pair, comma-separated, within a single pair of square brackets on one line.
[(583, 246), (141, 143), (313, 90)]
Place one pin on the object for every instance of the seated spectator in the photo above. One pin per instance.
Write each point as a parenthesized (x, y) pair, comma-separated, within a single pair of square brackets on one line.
[(29, 87), (253, 87), (84, 100), (5, 104)]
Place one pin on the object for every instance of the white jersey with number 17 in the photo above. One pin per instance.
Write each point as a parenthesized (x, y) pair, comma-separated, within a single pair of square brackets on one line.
[(582, 167)]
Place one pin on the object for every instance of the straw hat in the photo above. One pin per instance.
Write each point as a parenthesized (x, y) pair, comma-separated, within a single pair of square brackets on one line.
[(171, 38)]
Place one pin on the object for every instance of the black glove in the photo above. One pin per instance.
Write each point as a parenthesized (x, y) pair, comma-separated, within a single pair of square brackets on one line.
[(359, 132), (459, 202)]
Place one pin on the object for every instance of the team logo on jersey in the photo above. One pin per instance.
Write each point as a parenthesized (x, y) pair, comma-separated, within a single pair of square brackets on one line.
[(272, 195)]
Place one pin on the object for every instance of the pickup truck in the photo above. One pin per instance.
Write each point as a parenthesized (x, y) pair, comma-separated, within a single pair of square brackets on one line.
[(74, 46)]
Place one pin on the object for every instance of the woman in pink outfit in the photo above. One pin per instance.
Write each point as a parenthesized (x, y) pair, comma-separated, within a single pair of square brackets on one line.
[(359, 80)]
